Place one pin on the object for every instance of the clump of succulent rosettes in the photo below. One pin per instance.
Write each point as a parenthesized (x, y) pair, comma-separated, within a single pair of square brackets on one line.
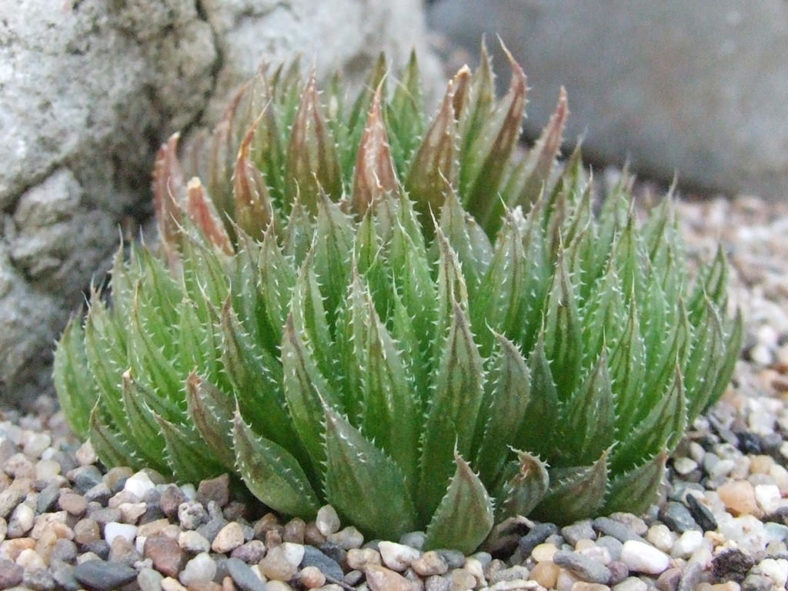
[(405, 317)]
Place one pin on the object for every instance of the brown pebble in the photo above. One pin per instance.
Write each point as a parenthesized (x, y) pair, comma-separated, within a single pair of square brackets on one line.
[(311, 577), (229, 538), (86, 531), (430, 563), (294, 531), (669, 580), (738, 496), (13, 548), (545, 573), (358, 558), (204, 586), (165, 553), (214, 489), (380, 578), (584, 586), (171, 499), (312, 535)]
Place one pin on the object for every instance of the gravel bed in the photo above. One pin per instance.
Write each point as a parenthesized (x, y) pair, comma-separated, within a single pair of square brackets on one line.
[(721, 525)]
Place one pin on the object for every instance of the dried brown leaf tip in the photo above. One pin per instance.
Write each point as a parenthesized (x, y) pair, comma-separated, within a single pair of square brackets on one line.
[(203, 214), (374, 175), (169, 192)]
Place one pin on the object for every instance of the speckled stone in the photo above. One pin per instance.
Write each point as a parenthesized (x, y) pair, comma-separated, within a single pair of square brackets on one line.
[(584, 567)]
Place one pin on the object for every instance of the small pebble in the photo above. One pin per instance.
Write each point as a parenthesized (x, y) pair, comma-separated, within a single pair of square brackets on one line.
[(102, 575), (200, 568), (397, 556), (584, 567), (644, 558), (228, 539), (243, 576), (739, 497), (327, 520)]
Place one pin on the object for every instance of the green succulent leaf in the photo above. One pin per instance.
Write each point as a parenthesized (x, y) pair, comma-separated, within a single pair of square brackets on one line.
[(526, 482), (465, 515), (456, 401), (271, 473), (186, 454), (575, 492), (76, 386), (357, 469), (634, 491)]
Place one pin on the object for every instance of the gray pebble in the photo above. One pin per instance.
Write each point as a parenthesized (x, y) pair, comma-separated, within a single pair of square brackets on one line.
[(99, 547), (63, 574), (756, 582), (584, 567), (211, 529), (99, 493), (10, 574), (327, 565), (616, 529), (47, 498), (453, 558), (64, 550), (580, 530), (85, 477), (243, 576), (149, 580), (437, 583), (613, 546), (105, 515), (39, 580), (104, 576), (677, 517), (200, 568), (11, 497), (618, 571), (538, 534)]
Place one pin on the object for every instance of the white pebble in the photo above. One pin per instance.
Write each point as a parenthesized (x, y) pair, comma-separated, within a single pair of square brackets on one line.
[(776, 570), (139, 484), (684, 465), (193, 542), (644, 558), (721, 468), (768, 497), (119, 530), (21, 521), (30, 560), (397, 556), (293, 553), (631, 584), (36, 444), (200, 568), (661, 537), (86, 455), (327, 520), (687, 543)]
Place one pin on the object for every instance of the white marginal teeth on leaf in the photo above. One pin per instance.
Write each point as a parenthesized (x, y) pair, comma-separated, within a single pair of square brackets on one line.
[(354, 303)]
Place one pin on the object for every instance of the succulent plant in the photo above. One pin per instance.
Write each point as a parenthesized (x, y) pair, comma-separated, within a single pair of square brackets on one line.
[(411, 319)]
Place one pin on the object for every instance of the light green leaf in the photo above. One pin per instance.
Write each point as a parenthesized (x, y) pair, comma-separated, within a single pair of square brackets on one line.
[(271, 473), (575, 492), (75, 385), (525, 485), (355, 470), (464, 516), (452, 417)]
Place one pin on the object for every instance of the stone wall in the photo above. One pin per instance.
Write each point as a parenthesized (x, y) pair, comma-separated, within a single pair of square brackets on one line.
[(90, 88), (697, 89)]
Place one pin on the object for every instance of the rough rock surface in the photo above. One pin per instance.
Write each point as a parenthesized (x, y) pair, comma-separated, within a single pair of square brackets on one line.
[(696, 88), (89, 89)]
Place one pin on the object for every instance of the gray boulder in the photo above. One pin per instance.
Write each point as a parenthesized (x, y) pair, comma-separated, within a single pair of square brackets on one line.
[(88, 91), (696, 88)]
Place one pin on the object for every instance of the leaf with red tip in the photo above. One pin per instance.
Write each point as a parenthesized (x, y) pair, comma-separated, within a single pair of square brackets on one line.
[(488, 156), (169, 194), (435, 168), (312, 161), (253, 210), (202, 212), (374, 176), (540, 161)]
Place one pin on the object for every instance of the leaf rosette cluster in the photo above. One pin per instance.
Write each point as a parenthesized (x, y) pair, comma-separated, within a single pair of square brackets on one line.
[(409, 318)]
